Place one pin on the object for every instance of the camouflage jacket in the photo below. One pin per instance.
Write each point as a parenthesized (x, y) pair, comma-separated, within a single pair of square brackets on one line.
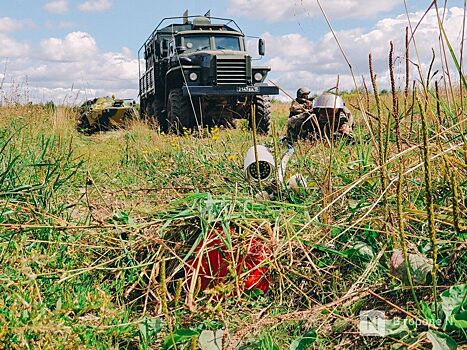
[(343, 119), (299, 106)]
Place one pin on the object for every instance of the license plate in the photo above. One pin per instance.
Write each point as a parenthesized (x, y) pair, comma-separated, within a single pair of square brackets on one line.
[(248, 89)]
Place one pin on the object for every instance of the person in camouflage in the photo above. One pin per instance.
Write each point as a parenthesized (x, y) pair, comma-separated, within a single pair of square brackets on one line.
[(324, 117), (333, 117), (299, 123)]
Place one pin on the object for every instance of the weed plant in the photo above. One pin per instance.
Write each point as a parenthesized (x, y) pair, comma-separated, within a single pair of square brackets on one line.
[(96, 231)]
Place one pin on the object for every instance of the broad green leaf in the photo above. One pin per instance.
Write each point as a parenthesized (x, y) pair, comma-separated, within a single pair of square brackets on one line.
[(427, 312), (304, 342), (360, 249), (459, 320), (395, 327), (325, 249), (177, 337), (149, 328), (186, 333), (210, 340), (453, 301), (441, 341)]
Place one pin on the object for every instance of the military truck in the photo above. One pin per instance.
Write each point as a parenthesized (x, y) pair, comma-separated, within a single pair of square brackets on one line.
[(105, 113), (198, 73)]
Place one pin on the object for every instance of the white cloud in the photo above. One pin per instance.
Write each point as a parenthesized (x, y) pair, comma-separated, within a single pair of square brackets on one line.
[(287, 10), (95, 6), (57, 6), (297, 61), (58, 64), (76, 46), (8, 24), (76, 58), (10, 48)]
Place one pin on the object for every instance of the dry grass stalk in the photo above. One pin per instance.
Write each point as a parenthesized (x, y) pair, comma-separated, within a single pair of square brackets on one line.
[(462, 55), (395, 101), (255, 144), (163, 292), (444, 60), (381, 148), (407, 72), (429, 199), (359, 100), (400, 309), (455, 203), (307, 315), (400, 182), (277, 162)]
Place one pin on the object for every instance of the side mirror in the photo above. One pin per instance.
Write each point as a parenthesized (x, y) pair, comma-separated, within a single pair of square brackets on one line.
[(261, 47), (181, 49)]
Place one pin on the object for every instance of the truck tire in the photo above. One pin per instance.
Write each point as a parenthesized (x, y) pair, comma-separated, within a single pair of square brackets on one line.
[(142, 107), (263, 114), (147, 111), (179, 112), (160, 115)]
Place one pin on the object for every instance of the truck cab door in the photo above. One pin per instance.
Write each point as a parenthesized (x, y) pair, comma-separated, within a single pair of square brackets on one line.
[(171, 48), (173, 54)]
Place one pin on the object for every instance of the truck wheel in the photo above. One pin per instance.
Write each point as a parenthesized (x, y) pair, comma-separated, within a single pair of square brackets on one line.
[(179, 112), (160, 115), (263, 114), (142, 108), (147, 111)]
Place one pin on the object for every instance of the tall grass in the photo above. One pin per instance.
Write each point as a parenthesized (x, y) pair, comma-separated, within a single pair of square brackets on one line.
[(87, 222), (96, 232)]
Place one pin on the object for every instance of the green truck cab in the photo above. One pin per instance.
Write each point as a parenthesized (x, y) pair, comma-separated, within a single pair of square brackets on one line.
[(198, 73)]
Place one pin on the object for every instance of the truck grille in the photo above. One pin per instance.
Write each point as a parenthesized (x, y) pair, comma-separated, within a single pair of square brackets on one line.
[(231, 71)]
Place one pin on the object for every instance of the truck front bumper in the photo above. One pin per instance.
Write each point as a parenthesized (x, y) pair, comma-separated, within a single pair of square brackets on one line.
[(230, 90)]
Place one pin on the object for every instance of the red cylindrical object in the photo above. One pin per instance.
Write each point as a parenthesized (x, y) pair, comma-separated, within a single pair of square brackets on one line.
[(214, 263)]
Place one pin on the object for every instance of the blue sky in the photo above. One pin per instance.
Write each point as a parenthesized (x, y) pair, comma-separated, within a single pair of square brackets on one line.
[(58, 43), (127, 23)]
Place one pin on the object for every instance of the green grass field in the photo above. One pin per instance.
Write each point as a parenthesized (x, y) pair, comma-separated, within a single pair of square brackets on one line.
[(93, 230)]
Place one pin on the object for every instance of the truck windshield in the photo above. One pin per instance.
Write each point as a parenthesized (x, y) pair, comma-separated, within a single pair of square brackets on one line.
[(197, 43), (227, 43)]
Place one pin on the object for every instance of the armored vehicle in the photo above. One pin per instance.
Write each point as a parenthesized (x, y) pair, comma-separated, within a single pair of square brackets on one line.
[(198, 73), (105, 113)]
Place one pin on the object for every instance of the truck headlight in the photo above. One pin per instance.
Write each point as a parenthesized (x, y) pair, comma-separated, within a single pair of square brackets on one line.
[(193, 76), (258, 76)]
